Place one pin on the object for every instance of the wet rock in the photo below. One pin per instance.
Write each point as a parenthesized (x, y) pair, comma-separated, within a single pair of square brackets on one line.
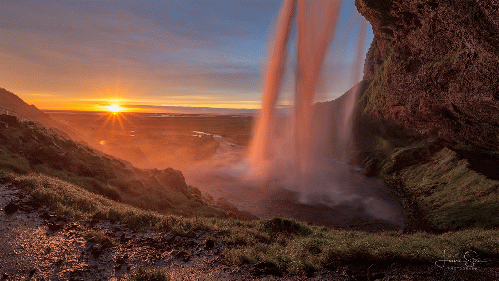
[(32, 272), (149, 241), (53, 226), (361, 278), (432, 68), (378, 276), (182, 255), (11, 208), (170, 238), (120, 261), (370, 167), (123, 238), (96, 250), (266, 268), (73, 226), (209, 244)]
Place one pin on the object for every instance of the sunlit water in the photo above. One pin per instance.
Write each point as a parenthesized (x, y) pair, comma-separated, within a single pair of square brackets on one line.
[(295, 166), (346, 199)]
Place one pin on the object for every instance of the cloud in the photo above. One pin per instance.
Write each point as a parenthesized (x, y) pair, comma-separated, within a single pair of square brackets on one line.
[(76, 47), (136, 49)]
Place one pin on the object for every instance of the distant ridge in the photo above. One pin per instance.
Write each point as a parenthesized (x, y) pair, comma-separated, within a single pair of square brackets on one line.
[(13, 105)]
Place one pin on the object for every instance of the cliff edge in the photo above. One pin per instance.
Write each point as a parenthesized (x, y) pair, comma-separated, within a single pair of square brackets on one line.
[(433, 68)]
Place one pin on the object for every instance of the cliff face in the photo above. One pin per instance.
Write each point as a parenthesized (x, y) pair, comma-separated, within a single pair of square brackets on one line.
[(433, 67)]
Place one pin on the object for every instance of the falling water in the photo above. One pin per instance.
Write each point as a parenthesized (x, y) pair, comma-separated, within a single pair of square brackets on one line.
[(298, 149), (297, 161)]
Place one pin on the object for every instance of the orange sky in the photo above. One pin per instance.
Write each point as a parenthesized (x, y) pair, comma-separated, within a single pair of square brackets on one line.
[(85, 55)]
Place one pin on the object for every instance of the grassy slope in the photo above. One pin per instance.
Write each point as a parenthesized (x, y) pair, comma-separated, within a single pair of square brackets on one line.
[(449, 184), (293, 246), (28, 148)]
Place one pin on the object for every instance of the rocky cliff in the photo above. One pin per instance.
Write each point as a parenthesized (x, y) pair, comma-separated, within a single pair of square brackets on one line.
[(433, 67)]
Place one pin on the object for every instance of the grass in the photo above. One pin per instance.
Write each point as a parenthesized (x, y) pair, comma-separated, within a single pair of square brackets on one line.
[(99, 237), (148, 274), (292, 246), (28, 148), (452, 187), (453, 195)]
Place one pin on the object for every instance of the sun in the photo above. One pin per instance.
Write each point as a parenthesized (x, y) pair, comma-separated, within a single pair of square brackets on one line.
[(114, 108)]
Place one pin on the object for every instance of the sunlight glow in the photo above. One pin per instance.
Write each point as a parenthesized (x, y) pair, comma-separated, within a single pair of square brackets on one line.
[(115, 108)]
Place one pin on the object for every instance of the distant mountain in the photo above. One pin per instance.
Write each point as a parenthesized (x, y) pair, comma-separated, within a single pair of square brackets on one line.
[(14, 105)]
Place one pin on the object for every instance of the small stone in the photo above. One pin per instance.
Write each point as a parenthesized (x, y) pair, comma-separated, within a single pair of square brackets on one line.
[(11, 208), (32, 272), (120, 261), (96, 250), (54, 226), (123, 238), (208, 244)]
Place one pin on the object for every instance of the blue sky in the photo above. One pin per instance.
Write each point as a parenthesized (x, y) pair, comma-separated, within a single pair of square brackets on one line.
[(66, 54)]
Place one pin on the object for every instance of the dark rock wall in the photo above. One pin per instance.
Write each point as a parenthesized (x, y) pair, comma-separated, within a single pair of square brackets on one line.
[(433, 67)]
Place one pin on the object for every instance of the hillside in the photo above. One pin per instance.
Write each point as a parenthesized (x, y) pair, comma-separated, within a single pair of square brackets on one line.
[(13, 105), (29, 148)]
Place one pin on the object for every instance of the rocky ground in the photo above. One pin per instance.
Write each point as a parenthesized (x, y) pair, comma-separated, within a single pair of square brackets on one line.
[(37, 245)]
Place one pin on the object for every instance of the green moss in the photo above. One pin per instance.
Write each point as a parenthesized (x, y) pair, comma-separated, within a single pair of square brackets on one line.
[(374, 97), (449, 58), (451, 194), (148, 274)]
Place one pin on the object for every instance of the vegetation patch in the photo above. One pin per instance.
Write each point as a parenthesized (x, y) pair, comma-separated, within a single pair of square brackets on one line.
[(148, 274), (374, 96), (448, 186), (449, 58), (99, 237)]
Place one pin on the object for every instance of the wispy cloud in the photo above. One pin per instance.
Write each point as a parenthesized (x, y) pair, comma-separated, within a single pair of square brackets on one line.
[(150, 49)]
